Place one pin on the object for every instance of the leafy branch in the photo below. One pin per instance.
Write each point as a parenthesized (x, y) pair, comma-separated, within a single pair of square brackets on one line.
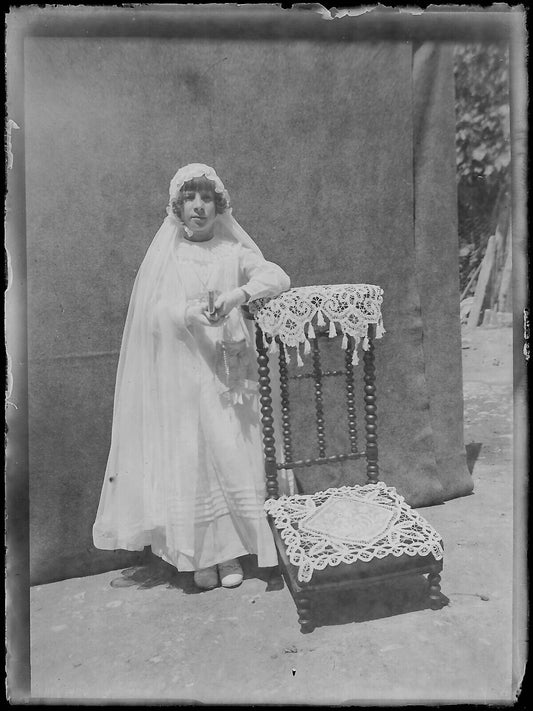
[(482, 147)]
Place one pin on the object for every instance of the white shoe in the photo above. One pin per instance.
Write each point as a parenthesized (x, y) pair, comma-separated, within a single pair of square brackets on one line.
[(207, 578), (230, 573)]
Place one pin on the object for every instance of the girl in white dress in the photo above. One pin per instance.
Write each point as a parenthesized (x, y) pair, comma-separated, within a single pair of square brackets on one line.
[(185, 470)]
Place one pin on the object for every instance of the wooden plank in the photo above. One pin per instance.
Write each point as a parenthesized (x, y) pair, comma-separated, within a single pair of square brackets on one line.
[(505, 293), (471, 281), (493, 285), (484, 275)]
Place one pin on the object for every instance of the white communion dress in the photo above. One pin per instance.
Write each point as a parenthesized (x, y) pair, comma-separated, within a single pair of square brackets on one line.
[(185, 473)]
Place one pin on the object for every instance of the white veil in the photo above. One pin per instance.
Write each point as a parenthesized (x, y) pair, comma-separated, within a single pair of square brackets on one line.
[(155, 416)]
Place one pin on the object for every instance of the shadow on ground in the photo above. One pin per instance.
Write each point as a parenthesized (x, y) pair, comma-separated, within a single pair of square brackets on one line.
[(472, 453), (155, 572), (371, 602)]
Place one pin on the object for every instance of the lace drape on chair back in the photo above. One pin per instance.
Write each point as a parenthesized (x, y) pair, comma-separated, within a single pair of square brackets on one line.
[(293, 316)]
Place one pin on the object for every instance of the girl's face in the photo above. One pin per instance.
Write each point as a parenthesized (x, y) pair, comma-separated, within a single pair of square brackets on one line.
[(199, 211)]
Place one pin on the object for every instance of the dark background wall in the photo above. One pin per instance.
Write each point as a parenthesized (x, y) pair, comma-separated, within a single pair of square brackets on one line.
[(316, 142)]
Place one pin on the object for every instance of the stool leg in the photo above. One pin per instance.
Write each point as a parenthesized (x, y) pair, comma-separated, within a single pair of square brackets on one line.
[(435, 597), (305, 612), (275, 580)]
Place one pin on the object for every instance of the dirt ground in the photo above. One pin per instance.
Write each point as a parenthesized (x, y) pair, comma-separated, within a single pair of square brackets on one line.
[(156, 639)]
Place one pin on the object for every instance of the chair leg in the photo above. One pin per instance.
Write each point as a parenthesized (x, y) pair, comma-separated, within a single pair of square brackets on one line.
[(305, 613), (275, 580), (435, 597)]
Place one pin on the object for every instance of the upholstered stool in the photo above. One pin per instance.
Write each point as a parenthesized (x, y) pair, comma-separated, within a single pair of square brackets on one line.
[(349, 536)]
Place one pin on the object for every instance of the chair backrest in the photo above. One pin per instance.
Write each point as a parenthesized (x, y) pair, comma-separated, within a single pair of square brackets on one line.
[(318, 375)]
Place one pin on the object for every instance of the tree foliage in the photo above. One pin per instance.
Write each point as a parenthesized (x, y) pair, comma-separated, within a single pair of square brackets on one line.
[(482, 146)]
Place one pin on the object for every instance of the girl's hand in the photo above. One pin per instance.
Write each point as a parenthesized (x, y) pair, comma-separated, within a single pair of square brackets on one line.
[(196, 313), (228, 300)]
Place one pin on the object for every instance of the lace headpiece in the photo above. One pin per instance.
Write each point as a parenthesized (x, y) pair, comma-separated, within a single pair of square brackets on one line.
[(196, 170)]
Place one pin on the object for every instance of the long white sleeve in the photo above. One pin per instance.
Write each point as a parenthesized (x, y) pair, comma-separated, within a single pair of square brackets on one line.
[(259, 277)]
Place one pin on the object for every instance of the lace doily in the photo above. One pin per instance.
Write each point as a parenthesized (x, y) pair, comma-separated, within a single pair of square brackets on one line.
[(348, 307), (348, 524)]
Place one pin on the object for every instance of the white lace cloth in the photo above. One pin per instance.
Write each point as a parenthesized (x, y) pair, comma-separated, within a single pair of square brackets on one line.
[(348, 307), (348, 524)]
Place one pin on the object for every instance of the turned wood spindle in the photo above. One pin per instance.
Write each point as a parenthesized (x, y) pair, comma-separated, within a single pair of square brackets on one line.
[(372, 469), (305, 612), (319, 404), (350, 399), (435, 596), (267, 420), (285, 405)]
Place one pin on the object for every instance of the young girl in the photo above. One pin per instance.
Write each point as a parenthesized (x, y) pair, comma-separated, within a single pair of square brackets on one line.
[(185, 470)]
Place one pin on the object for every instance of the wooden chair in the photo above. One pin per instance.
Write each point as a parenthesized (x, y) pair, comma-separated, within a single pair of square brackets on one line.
[(314, 556)]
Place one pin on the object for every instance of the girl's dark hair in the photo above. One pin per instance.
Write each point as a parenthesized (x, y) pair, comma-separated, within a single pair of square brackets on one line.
[(199, 185)]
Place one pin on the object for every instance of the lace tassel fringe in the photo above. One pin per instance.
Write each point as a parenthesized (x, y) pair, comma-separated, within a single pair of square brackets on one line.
[(273, 346), (311, 332), (299, 357), (287, 354), (379, 328), (366, 344), (320, 318), (355, 357), (332, 329), (344, 344), (307, 347)]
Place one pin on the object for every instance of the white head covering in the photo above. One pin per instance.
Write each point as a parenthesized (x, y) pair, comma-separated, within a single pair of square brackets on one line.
[(196, 170), (154, 440), (225, 222)]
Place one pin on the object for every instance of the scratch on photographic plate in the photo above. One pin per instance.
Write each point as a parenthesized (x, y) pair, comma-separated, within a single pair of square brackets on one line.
[(526, 334), (10, 126), (336, 13)]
